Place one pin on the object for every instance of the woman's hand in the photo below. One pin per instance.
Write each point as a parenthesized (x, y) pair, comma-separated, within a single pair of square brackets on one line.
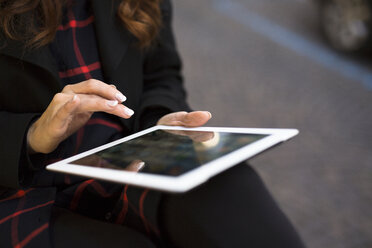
[(192, 119), (70, 110)]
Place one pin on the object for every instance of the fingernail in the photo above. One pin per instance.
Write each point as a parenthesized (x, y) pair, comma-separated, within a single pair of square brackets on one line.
[(128, 111), (210, 114), (112, 103), (120, 97), (140, 165)]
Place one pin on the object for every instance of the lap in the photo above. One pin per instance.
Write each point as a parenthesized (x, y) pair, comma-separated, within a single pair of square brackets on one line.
[(233, 209), (71, 230)]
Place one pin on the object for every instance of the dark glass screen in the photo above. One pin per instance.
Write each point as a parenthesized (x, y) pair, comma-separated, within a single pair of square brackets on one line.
[(167, 152)]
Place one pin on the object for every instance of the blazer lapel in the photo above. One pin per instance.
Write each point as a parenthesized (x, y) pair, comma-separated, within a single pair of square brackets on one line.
[(113, 39), (41, 57)]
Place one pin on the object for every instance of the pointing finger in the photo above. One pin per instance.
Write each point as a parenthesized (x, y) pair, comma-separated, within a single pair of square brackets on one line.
[(92, 103), (95, 87)]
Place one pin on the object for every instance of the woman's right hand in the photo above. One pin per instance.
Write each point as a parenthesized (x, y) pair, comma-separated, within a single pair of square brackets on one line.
[(70, 110)]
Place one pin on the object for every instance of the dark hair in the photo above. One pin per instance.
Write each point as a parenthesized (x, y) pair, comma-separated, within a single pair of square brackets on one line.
[(36, 21)]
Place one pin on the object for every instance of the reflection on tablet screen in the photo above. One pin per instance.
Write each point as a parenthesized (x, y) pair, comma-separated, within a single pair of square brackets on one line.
[(169, 152)]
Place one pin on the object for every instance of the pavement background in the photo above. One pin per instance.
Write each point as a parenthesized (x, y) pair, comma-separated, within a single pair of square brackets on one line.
[(264, 63)]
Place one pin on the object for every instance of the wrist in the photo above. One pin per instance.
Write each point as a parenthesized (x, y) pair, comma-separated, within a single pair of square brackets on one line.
[(30, 149)]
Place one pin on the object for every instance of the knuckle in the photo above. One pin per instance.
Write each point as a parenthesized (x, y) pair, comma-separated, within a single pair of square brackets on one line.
[(102, 104), (92, 80), (91, 84), (95, 104), (58, 97), (67, 88)]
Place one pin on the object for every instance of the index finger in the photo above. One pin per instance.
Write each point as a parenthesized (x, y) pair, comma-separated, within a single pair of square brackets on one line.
[(95, 87)]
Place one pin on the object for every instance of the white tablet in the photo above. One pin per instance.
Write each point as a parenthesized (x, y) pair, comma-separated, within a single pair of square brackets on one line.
[(173, 159)]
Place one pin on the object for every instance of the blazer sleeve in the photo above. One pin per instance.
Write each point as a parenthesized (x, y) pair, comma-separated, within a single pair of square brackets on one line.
[(163, 90), (13, 152), (25, 91)]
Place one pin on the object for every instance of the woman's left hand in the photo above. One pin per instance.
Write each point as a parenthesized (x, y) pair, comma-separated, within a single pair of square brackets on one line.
[(185, 119)]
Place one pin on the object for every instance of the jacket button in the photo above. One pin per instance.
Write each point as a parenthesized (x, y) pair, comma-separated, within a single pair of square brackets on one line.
[(108, 216)]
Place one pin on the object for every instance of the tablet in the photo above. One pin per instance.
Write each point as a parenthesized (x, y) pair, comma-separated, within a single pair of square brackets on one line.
[(173, 159)]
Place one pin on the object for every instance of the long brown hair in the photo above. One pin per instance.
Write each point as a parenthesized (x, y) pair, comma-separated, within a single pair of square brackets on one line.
[(36, 21)]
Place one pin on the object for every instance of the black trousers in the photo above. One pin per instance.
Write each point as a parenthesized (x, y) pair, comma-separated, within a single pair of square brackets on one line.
[(233, 209)]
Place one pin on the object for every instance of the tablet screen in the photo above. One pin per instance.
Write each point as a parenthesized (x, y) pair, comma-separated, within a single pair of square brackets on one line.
[(169, 152)]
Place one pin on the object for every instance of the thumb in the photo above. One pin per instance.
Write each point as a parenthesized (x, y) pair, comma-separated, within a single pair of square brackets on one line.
[(192, 119), (172, 119), (196, 118)]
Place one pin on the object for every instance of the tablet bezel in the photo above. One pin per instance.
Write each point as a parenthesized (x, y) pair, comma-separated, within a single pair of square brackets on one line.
[(187, 180)]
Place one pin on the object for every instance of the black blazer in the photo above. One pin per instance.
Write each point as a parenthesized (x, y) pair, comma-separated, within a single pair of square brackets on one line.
[(29, 79), (150, 79)]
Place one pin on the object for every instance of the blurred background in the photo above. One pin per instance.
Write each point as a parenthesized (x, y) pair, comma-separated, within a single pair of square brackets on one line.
[(269, 63)]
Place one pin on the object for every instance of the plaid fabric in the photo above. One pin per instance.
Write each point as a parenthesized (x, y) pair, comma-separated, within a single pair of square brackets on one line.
[(24, 218), (25, 214), (75, 50)]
